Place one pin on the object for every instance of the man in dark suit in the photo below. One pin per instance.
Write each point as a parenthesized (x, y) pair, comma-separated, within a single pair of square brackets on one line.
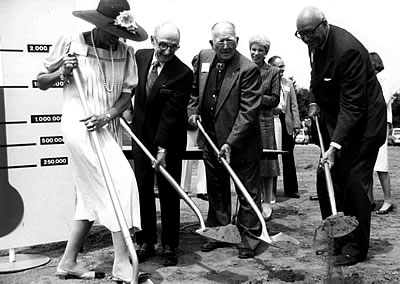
[(159, 121), (226, 98), (345, 91)]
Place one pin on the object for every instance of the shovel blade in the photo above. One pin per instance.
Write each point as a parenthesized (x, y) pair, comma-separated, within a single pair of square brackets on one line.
[(337, 225), (281, 237), (227, 234), (275, 240)]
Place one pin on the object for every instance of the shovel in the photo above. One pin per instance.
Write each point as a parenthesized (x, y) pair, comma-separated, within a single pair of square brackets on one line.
[(228, 233), (110, 186), (336, 225), (271, 240)]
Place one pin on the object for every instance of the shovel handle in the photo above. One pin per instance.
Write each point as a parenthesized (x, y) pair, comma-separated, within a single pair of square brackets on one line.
[(109, 183), (168, 177), (264, 234), (327, 171)]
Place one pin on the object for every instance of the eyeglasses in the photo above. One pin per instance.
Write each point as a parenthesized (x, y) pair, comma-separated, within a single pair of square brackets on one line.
[(308, 34), (228, 42), (164, 46)]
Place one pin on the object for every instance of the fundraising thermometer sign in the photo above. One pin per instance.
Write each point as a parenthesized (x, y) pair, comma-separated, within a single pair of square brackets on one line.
[(37, 197)]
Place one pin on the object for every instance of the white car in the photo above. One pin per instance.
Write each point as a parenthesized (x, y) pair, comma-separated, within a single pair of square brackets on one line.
[(394, 136)]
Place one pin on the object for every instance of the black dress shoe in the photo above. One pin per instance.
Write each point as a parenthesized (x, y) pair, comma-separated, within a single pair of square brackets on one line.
[(210, 246), (245, 253), (203, 196), (292, 195), (144, 251), (169, 256), (345, 260)]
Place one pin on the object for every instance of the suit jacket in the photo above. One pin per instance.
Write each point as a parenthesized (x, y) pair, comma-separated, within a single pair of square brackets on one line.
[(238, 106), (344, 85), (292, 118), (160, 118), (270, 80)]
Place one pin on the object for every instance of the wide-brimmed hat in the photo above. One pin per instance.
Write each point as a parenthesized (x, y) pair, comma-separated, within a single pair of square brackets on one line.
[(114, 17)]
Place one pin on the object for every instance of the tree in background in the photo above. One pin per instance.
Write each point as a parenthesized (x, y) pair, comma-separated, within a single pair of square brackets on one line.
[(302, 99), (302, 102)]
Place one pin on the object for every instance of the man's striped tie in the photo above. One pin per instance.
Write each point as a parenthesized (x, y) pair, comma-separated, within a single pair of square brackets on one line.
[(152, 77)]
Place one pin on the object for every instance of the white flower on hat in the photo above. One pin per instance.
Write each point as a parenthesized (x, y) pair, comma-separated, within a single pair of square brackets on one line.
[(126, 20)]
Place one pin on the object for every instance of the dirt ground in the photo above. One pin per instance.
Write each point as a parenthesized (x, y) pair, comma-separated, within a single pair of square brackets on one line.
[(289, 264)]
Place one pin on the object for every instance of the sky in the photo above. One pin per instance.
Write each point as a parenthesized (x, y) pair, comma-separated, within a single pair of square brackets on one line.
[(374, 23)]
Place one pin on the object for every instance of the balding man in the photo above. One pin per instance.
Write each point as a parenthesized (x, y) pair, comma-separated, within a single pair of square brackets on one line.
[(345, 91), (226, 97), (160, 120)]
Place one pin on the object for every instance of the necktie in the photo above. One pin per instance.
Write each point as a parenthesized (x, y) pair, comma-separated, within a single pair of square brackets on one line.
[(152, 77)]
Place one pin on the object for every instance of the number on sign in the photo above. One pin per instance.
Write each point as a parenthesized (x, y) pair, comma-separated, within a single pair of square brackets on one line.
[(39, 47), (45, 118), (58, 161), (48, 140)]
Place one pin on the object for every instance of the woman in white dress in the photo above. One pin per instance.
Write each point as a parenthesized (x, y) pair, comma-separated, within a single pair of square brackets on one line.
[(108, 73), (382, 163)]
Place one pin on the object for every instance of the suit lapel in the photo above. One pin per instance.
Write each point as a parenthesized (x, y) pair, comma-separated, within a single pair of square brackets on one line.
[(287, 96), (161, 79), (323, 59), (207, 59), (230, 78), (166, 72)]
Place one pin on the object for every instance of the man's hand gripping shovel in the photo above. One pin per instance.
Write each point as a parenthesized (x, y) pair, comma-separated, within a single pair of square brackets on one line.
[(228, 233), (265, 237), (336, 225)]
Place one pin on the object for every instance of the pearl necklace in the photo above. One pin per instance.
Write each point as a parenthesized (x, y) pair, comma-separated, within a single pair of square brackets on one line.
[(101, 68)]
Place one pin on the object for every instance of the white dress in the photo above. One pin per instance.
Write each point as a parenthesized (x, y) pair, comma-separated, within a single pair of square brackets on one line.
[(382, 163), (93, 202)]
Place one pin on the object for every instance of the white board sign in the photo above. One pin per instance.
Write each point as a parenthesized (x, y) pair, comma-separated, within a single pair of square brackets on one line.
[(36, 189)]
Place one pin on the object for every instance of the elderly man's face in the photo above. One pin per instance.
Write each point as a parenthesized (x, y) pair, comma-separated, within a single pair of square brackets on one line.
[(224, 42), (312, 32), (258, 53), (165, 43)]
